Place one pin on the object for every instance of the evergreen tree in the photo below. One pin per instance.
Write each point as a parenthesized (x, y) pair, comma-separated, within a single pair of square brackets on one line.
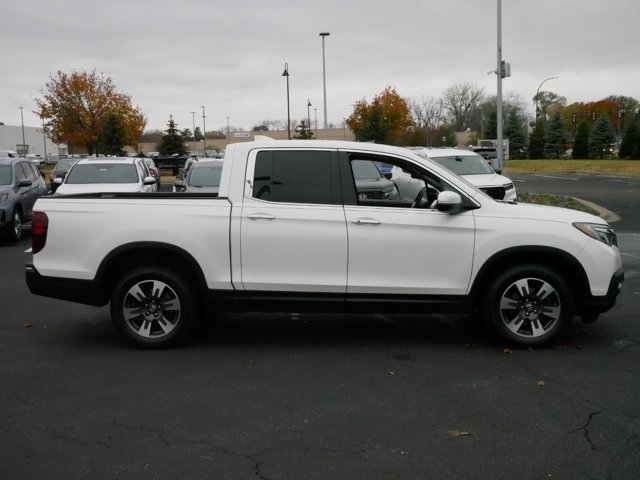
[(112, 136), (186, 135), (537, 139), (557, 137), (303, 132), (198, 134), (581, 142), (630, 139), (515, 133), (172, 142), (491, 127), (602, 136)]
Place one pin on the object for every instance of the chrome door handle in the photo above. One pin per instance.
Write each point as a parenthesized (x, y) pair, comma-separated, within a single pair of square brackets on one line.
[(365, 221), (261, 216)]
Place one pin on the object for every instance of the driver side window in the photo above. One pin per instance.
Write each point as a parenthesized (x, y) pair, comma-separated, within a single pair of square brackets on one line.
[(391, 182)]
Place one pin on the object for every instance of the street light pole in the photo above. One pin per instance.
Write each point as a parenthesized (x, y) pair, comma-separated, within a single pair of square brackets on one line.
[(24, 143), (324, 83), (286, 74), (538, 92), (204, 132), (193, 118), (227, 130), (315, 113), (499, 75), (308, 114)]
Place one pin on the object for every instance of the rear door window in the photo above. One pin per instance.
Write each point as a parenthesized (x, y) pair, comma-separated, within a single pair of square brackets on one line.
[(295, 176)]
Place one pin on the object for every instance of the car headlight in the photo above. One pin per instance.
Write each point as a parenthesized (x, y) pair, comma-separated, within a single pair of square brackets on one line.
[(509, 186), (4, 197), (602, 233)]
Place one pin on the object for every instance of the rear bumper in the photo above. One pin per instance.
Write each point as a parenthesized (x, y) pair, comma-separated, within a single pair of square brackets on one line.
[(73, 290), (606, 302)]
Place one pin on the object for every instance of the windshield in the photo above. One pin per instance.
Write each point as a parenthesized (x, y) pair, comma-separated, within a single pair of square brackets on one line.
[(365, 170), (64, 164), (103, 173), (465, 164), (5, 175), (205, 176)]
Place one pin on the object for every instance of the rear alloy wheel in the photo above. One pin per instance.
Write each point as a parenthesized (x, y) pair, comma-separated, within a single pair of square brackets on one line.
[(529, 305), (153, 307), (15, 232)]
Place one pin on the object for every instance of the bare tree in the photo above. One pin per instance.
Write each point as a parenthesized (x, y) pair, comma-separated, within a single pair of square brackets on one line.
[(460, 101), (427, 113)]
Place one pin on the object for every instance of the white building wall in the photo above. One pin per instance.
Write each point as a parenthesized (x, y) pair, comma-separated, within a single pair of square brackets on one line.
[(11, 139)]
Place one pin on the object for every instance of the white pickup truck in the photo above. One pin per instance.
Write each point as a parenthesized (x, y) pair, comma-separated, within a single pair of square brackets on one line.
[(289, 231)]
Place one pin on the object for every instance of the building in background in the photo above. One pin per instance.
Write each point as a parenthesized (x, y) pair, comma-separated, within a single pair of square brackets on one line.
[(35, 143)]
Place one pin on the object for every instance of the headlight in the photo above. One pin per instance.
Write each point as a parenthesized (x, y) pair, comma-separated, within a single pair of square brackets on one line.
[(3, 197), (509, 186), (602, 233)]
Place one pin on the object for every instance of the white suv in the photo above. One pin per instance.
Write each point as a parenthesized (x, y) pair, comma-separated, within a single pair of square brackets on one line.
[(108, 174), (474, 169)]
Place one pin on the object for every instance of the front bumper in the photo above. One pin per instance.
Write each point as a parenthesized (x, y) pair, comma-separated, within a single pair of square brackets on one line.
[(601, 304)]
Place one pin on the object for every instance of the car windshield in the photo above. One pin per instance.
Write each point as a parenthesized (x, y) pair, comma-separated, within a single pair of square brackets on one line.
[(103, 173), (64, 164), (465, 164), (5, 175), (205, 176), (365, 170)]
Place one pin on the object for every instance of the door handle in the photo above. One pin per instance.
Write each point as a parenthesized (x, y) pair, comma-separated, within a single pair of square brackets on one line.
[(261, 216), (365, 221)]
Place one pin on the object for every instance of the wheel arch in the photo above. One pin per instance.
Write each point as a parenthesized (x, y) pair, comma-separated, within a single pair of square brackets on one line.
[(562, 262), (139, 254)]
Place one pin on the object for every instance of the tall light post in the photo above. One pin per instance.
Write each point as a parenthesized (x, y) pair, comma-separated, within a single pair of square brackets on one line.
[(538, 92), (24, 143), (308, 114), (204, 132), (324, 82), (286, 74), (193, 118), (315, 113), (499, 75), (227, 130), (344, 128)]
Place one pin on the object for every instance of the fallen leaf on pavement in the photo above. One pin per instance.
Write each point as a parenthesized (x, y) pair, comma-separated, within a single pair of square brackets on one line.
[(458, 433), (27, 325), (540, 383), (508, 351)]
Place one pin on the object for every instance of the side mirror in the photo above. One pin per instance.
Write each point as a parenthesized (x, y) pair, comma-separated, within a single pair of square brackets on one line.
[(57, 181), (149, 181), (24, 183), (388, 175), (179, 184), (448, 201), (498, 171)]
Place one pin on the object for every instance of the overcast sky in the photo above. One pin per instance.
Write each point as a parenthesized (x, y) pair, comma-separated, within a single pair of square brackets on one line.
[(173, 57)]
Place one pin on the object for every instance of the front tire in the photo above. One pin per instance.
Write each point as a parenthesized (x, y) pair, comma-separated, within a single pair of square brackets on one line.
[(529, 305), (15, 228), (154, 307)]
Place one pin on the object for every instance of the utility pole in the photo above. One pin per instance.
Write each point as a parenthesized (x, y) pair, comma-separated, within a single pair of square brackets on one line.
[(204, 132), (193, 118)]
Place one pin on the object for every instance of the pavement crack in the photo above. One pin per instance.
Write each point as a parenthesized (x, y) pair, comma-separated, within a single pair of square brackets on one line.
[(585, 430)]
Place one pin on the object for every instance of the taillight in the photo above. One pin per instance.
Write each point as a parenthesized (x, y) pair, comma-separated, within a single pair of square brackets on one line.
[(39, 228)]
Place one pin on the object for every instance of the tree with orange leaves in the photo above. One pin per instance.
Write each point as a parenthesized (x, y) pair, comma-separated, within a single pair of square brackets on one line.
[(381, 121), (76, 109)]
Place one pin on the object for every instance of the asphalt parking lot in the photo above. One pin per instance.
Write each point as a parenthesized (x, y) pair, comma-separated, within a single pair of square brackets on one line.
[(319, 396)]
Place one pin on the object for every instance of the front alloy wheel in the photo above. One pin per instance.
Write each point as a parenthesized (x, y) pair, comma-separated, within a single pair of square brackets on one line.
[(529, 305), (16, 226)]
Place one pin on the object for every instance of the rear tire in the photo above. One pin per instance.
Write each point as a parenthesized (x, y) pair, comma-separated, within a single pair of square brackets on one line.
[(529, 305), (154, 307)]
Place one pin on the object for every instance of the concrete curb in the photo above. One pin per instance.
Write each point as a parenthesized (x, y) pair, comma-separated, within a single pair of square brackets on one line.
[(607, 215)]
